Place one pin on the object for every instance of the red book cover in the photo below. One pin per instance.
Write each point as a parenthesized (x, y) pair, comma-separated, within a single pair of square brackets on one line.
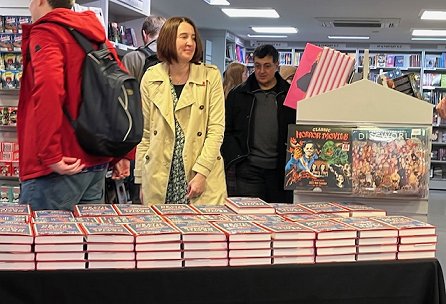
[(94, 210), (16, 209), (199, 231), (244, 231), (129, 209), (249, 205), (107, 233), (154, 232), (407, 226), (303, 75), (16, 233), (167, 209), (50, 233), (370, 228)]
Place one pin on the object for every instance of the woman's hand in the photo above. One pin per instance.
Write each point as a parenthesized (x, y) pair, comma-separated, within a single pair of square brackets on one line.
[(196, 186)]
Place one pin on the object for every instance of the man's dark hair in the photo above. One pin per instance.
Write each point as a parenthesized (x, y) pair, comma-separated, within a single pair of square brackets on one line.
[(267, 50), (61, 3), (152, 25)]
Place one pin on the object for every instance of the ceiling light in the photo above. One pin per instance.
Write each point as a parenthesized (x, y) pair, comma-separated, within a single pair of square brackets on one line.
[(247, 12), (217, 2), (429, 33), (275, 30), (433, 15), (349, 37), (428, 39), (267, 36)]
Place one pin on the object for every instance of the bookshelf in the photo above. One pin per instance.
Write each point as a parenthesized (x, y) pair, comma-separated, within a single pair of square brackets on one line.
[(434, 76), (379, 106)]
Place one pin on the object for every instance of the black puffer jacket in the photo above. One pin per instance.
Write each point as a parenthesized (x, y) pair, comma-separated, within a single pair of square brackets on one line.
[(240, 105)]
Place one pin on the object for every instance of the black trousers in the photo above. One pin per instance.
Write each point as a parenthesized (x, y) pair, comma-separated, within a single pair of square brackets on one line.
[(255, 181)]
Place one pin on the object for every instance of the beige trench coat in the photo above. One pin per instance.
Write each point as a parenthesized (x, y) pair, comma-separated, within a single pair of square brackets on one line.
[(201, 114)]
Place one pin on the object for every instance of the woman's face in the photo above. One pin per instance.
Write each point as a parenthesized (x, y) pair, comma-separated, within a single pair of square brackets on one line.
[(186, 43), (245, 75)]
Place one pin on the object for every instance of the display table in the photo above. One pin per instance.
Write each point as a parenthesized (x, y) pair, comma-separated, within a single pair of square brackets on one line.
[(392, 282)]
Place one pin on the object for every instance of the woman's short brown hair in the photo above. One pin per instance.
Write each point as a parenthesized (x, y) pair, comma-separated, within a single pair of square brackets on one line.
[(166, 42)]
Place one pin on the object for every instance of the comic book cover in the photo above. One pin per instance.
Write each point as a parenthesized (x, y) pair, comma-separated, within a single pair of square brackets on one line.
[(318, 158), (390, 161)]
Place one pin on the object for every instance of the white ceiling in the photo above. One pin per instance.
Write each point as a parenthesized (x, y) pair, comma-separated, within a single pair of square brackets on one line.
[(302, 14)]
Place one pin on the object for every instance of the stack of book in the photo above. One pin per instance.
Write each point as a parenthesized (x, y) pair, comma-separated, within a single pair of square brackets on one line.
[(335, 241), (58, 245), (359, 210), (203, 244), (376, 240), (157, 244), (16, 238), (248, 243), (249, 205), (109, 245), (291, 242), (326, 208), (417, 239)]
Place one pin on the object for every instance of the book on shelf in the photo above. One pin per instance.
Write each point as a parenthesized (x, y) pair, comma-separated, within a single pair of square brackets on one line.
[(335, 258), (107, 233), (173, 263), (111, 255), (318, 158), (250, 261), (16, 233), (417, 247), (403, 255), (249, 205), (59, 247), (368, 228), (131, 209), (17, 265), (378, 256), (376, 240), (167, 209), (154, 232), (111, 264), (205, 262), (50, 233), (407, 226), (303, 75), (378, 248), (199, 231), (418, 239), (161, 246), (94, 210), (61, 265), (244, 231), (293, 260), (294, 251), (326, 208), (361, 210), (16, 256), (205, 254), (330, 229), (60, 256), (158, 255), (335, 250), (390, 161), (288, 231)]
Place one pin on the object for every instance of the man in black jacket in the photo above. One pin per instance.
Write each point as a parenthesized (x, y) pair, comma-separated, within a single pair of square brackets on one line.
[(254, 146)]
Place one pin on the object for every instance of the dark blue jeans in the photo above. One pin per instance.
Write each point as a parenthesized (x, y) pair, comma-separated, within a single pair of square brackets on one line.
[(55, 191)]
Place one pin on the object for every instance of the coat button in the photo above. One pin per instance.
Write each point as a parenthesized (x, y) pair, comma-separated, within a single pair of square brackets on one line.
[(201, 107), (155, 132), (218, 157), (199, 134), (147, 157)]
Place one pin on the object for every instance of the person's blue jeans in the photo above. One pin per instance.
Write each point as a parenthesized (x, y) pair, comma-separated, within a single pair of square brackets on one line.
[(55, 191)]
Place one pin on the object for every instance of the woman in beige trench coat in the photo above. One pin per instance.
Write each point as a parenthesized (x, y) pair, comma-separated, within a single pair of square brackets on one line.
[(178, 159)]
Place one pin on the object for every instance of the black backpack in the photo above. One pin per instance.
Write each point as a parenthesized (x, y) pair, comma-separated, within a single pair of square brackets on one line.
[(110, 121), (151, 58)]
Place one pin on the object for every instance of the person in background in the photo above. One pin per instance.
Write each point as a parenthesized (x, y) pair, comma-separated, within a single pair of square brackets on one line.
[(55, 172), (441, 108), (287, 72), (178, 160), (134, 61), (256, 130), (235, 74)]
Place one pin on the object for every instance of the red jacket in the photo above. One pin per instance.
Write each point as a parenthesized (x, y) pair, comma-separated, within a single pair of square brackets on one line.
[(51, 80)]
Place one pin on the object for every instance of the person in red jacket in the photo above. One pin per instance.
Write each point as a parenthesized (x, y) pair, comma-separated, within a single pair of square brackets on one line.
[(55, 172)]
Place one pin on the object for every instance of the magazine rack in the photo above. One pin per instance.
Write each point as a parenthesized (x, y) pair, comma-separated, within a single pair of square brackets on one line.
[(361, 103)]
